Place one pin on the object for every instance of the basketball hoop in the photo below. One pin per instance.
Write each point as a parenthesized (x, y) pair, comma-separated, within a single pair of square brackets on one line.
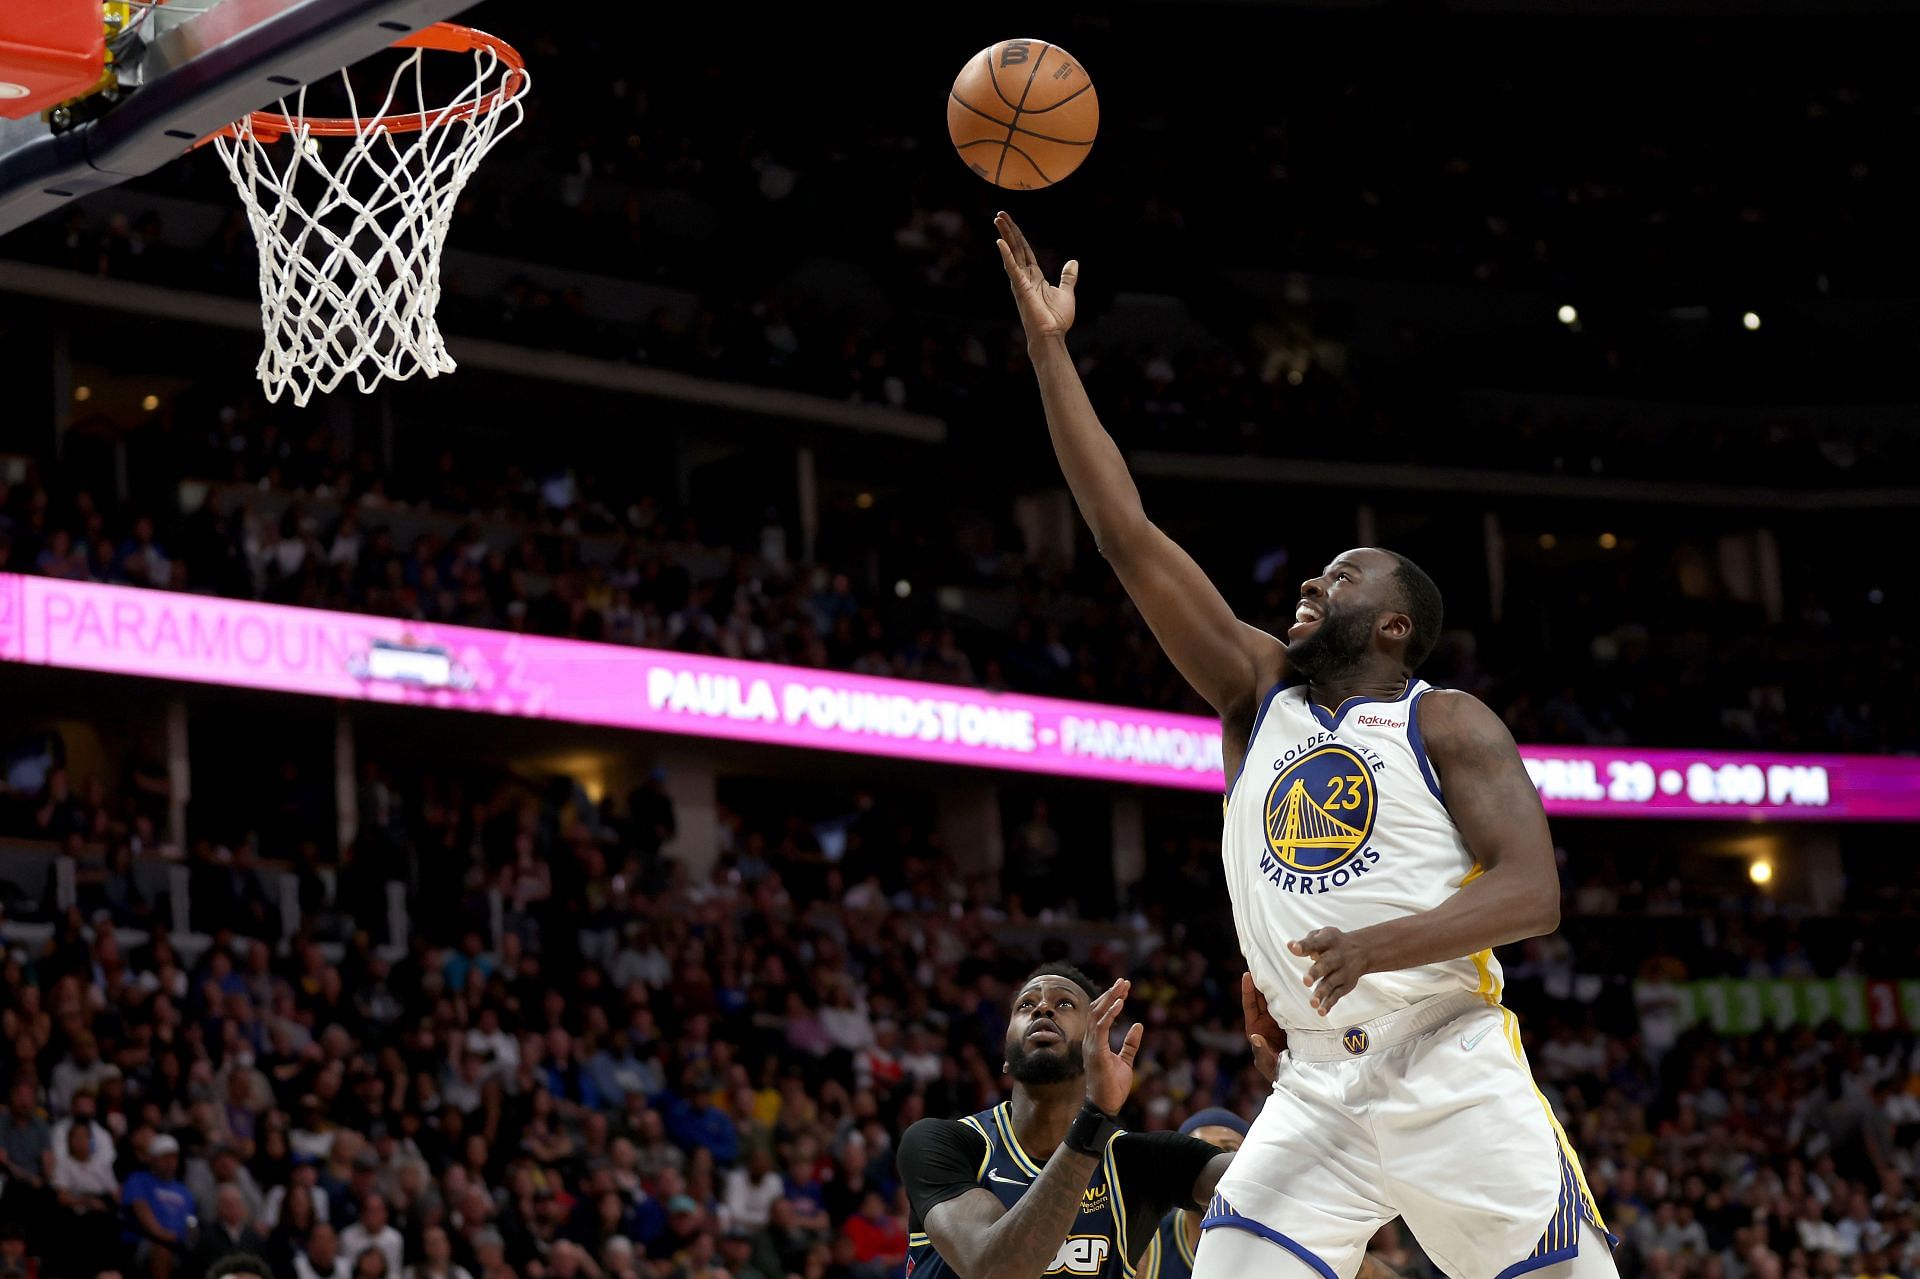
[(350, 235)]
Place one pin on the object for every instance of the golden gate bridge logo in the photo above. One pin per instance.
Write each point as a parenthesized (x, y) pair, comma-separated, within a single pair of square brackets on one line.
[(1320, 811)]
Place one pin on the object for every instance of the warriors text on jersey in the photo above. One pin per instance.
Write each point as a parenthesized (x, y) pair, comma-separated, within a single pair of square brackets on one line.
[(1140, 1177), (1335, 821)]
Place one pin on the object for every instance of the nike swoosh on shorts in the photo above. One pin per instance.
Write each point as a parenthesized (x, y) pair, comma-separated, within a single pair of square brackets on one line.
[(1468, 1044)]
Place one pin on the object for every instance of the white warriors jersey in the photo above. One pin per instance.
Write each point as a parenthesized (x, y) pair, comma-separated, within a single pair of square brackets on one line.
[(1336, 821)]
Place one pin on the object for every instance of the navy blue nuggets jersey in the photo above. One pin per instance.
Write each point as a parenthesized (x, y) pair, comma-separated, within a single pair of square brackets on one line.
[(1138, 1179), (1169, 1256)]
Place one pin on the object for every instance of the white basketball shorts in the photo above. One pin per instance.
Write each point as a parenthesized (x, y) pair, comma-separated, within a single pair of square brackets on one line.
[(1429, 1114)]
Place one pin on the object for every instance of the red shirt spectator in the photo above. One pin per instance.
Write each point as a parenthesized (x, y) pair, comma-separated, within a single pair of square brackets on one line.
[(877, 1235)]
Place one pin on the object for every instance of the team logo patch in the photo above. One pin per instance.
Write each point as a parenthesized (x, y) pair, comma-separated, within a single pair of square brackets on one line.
[(1320, 811), (1354, 1040)]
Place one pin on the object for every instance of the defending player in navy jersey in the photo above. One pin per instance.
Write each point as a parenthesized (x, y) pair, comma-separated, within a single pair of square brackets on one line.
[(1380, 838), (1045, 1183)]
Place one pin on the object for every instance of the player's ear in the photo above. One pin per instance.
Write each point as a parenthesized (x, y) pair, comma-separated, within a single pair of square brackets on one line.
[(1396, 625)]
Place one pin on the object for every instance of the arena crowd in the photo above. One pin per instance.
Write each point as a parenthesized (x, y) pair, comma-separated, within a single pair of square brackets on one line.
[(1602, 658), (644, 1075)]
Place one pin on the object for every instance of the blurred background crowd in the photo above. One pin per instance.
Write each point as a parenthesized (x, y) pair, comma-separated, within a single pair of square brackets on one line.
[(580, 1060), (1588, 652)]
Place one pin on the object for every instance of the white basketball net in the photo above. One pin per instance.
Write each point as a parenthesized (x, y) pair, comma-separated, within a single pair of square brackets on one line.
[(350, 229)]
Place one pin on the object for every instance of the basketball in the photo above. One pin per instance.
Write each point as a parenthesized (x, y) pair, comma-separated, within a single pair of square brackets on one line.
[(1023, 114)]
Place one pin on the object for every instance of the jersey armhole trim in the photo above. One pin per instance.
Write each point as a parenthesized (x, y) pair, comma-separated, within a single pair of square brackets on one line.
[(1187, 1252), (1419, 745), (1254, 732), (986, 1142), (1117, 1197)]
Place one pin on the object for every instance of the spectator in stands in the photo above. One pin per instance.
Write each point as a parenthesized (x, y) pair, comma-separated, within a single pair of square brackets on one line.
[(650, 819), (222, 1169), (302, 1183), (321, 1258), (879, 1240), (15, 1262), (61, 816), (292, 1221), (88, 1195), (84, 1113), (228, 1229), (160, 1209), (693, 1121), (80, 1069), (26, 1146), (1034, 856), (655, 1154), (229, 898), (752, 1190), (436, 1257), (140, 560), (373, 1230), (62, 559)]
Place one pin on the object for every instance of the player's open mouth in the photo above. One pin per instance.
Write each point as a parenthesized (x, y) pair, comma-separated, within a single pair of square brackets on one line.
[(1043, 1035), (1306, 616)]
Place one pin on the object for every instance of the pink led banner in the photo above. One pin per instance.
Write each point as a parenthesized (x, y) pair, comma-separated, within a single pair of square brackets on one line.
[(1578, 781), (87, 626)]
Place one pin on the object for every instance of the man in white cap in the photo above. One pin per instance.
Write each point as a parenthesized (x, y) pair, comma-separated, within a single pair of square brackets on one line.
[(161, 1208)]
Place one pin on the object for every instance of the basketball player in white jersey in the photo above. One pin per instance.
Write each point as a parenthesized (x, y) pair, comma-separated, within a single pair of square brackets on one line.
[(1381, 837)]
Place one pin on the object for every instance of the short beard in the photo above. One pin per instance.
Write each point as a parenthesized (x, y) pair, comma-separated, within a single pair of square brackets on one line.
[(1336, 647), (1047, 1067)]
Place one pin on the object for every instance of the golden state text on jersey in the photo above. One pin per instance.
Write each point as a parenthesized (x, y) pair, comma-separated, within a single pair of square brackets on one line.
[(1336, 820)]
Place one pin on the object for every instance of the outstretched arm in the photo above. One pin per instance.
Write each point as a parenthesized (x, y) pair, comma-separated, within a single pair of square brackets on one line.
[(1515, 894), (1228, 662)]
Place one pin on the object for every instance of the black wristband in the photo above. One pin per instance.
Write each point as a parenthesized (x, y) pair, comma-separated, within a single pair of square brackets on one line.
[(1090, 1131)]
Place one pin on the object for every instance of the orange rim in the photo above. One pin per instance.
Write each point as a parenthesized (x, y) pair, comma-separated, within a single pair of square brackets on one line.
[(448, 37)]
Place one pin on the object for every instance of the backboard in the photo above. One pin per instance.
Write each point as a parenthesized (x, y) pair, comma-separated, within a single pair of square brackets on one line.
[(185, 69)]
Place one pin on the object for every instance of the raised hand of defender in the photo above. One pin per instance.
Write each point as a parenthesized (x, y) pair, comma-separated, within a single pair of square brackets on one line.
[(1263, 1032), (1046, 310), (1110, 1073)]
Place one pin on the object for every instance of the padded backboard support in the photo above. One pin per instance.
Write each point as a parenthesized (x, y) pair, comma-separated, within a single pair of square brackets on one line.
[(207, 72)]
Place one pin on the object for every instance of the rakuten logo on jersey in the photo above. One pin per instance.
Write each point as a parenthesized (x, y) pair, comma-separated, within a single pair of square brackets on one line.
[(1378, 721)]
